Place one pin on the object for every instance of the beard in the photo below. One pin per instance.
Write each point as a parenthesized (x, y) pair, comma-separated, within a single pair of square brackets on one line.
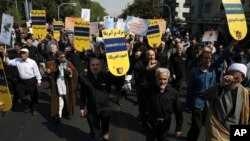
[(232, 86), (162, 86)]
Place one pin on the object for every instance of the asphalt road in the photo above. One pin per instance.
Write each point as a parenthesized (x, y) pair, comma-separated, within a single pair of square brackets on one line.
[(125, 125)]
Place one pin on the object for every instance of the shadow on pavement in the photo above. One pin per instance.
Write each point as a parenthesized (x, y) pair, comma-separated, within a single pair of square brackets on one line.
[(67, 132), (126, 120), (62, 130)]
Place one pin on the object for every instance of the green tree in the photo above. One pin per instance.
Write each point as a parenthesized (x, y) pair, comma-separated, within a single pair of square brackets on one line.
[(16, 15), (142, 9), (38, 4), (70, 10), (51, 10), (97, 11)]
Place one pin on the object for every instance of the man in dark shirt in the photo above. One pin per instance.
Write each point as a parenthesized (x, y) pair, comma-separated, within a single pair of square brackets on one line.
[(33, 51), (178, 68), (162, 55), (76, 58), (163, 102), (192, 54), (95, 88), (12, 79)]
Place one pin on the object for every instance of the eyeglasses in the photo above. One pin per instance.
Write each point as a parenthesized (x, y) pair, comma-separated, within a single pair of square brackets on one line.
[(62, 56)]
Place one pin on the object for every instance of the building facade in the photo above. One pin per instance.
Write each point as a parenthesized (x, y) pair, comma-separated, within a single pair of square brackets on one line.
[(207, 15), (181, 8), (174, 10)]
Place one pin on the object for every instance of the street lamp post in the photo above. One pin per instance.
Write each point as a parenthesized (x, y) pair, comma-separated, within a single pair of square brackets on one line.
[(169, 10), (58, 8), (16, 6)]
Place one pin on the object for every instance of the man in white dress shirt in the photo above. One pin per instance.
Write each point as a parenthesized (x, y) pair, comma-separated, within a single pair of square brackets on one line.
[(29, 79)]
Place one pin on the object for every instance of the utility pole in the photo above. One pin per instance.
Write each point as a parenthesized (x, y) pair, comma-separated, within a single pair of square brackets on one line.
[(26, 8), (16, 6)]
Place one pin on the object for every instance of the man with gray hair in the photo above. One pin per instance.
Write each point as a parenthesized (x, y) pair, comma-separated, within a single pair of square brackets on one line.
[(164, 101)]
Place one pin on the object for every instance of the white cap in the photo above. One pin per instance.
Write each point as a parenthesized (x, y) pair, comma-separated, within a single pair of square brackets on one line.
[(24, 50), (238, 67)]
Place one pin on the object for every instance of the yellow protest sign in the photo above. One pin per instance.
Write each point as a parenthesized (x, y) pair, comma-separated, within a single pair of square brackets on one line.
[(116, 51), (81, 35), (5, 98), (38, 18), (56, 35), (235, 18), (58, 26), (39, 31), (37, 13), (153, 34)]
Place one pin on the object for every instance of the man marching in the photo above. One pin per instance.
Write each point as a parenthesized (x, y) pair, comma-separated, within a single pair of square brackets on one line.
[(229, 104), (28, 81)]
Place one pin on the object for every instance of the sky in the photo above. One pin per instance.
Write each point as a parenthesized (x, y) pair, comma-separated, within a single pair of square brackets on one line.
[(114, 7)]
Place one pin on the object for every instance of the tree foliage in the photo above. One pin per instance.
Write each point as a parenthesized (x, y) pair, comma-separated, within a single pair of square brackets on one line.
[(17, 15), (97, 11), (70, 10), (142, 9), (51, 7)]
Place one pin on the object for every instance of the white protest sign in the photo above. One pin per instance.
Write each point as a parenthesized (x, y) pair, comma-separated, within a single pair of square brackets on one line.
[(210, 36), (136, 25), (7, 24), (120, 24), (109, 23), (85, 14)]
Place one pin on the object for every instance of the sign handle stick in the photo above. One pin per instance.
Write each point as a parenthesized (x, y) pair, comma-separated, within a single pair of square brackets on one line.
[(5, 50), (132, 46)]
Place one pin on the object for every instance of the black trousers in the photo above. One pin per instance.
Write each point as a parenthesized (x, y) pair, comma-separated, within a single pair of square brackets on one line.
[(198, 120), (12, 83), (143, 101), (118, 83), (157, 130), (98, 124), (179, 84), (28, 93)]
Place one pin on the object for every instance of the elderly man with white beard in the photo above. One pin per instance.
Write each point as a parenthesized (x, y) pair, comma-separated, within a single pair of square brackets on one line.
[(164, 101), (229, 104)]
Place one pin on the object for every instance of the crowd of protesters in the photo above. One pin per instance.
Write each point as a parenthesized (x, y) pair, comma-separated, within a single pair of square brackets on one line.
[(159, 76)]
